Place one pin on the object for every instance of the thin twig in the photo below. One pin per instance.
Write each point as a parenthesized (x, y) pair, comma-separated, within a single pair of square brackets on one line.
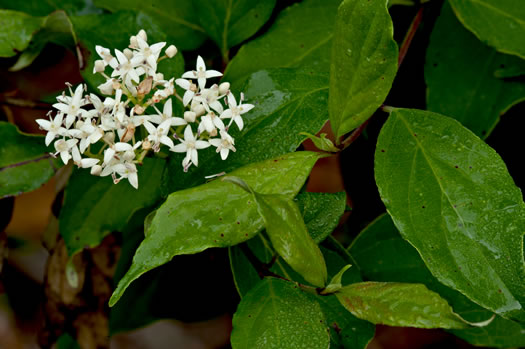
[(409, 36)]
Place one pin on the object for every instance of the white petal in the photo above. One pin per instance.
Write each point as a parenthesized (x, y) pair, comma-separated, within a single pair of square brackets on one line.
[(121, 57), (200, 64), (64, 155), (218, 123), (134, 180), (188, 95), (239, 122), (121, 146), (212, 74), (168, 109), (246, 108), (64, 108), (108, 155), (88, 162), (178, 121), (194, 157), (224, 153), (45, 124), (216, 142), (226, 114), (188, 134), (166, 140), (185, 84), (202, 82), (151, 129), (76, 154), (165, 126), (201, 144), (190, 74), (49, 137), (179, 148)]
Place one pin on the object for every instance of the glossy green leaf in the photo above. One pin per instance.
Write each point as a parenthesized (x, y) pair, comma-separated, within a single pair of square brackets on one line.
[(101, 30), (499, 23), (460, 73), (452, 198), (45, 7), (300, 37), (276, 314), (216, 214), (287, 102), (321, 212), (383, 255), (180, 19), (94, 206), (18, 29), (399, 304), (57, 28), (25, 162), (287, 232), (364, 63), (230, 22), (345, 329), (514, 68)]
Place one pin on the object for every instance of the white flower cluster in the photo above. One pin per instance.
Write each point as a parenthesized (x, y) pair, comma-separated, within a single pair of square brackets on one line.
[(135, 87)]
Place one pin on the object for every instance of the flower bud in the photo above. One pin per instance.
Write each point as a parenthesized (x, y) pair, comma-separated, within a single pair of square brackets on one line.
[(128, 53), (159, 77), (224, 88), (190, 116), (145, 86), (171, 51), (99, 66), (199, 110), (79, 124), (146, 145), (138, 109), (133, 43), (128, 134), (213, 132), (143, 35), (109, 137), (96, 170)]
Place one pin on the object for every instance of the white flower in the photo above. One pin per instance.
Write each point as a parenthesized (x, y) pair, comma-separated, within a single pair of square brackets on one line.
[(147, 54), (209, 123), (224, 145), (88, 134), (235, 111), (201, 74), (64, 147), (209, 97), (126, 69), (166, 114), (189, 145), (71, 106), (53, 127), (190, 88), (159, 134), (108, 87)]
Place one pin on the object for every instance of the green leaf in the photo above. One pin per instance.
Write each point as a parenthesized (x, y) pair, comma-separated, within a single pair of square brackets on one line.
[(398, 304), (178, 18), (94, 206), (513, 68), (499, 23), (321, 212), (383, 255), (452, 198), (287, 231), (230, 22), (101, 30), (364, 63), (335, 284), (25, 163), (215, 214), (322, 143), (45, 7), (300, 37), (345, 329), (460, 73), (65, 341), (276, 314), (57, 28), (17, 31), (287, 101)]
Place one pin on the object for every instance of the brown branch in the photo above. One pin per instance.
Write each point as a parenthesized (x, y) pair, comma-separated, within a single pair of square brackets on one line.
[(409, 36)]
